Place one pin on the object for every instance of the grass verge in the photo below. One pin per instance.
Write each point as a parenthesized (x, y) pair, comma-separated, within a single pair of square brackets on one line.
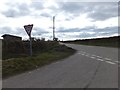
[(15, 66)]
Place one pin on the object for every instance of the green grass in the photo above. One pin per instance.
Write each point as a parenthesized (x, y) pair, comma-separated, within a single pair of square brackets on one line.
[(15, 66)]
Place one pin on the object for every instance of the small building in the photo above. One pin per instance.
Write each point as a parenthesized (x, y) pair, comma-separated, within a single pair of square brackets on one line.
[(11, 37)]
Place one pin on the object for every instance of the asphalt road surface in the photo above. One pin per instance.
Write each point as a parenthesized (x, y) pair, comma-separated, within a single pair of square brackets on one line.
[(89, 67)]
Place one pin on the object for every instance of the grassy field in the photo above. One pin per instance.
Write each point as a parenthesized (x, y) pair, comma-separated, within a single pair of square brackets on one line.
[(19, 65), (105, 42)]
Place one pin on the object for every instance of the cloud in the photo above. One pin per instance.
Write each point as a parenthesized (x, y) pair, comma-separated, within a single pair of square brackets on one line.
[(103, 11), (62, 30), (87, 32), (16, 10), (96, 11), (19, 9), (36, 5), (5, 30), (45, 15), (39, 31), (93, 33)]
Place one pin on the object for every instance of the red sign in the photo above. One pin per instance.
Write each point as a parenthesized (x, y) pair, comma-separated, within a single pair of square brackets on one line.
[(28, 29)]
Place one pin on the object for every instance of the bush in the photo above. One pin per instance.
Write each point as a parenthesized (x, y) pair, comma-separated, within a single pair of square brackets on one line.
[(14, 49)]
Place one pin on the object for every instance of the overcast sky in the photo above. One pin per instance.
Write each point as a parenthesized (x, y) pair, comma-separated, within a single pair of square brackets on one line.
[(74, 20)]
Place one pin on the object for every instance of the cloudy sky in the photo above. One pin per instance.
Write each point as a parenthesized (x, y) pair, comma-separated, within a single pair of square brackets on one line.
[(74, 20)]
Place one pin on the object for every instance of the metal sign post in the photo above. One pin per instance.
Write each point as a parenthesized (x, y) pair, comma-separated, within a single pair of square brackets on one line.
[(28, 29)]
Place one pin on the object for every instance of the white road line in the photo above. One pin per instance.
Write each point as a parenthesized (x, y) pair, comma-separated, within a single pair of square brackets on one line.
[(100, 59), (99, 56), (82, 54), (92, 57), (109, 62), (117, 61), (87, 55), (107, 58)]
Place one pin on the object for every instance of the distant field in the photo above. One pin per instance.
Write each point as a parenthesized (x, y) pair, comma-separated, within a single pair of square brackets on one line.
[(106, 42)]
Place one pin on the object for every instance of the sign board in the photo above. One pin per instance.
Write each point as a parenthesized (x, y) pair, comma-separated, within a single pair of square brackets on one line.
[(28, 29)]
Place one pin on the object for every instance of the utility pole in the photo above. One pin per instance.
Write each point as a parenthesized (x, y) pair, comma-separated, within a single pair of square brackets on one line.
[(53, 28)]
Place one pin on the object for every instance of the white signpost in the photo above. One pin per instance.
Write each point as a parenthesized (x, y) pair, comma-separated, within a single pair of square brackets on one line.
[(28, 29)]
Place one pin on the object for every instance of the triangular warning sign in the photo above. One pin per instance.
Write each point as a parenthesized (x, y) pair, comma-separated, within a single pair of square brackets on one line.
[(28, 29)]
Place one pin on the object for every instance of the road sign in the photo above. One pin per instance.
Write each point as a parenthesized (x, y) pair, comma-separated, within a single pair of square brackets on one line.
[(28, 29)]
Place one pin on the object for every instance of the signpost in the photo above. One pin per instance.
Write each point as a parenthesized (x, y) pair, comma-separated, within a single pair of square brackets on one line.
[(28, 29)]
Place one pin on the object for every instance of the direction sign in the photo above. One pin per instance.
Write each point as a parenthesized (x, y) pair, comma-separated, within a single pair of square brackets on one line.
[(28, 29)]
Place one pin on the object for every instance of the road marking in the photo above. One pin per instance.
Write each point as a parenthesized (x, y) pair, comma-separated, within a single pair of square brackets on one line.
[(100, 59), (117, 61), (107, 58), (92, 57), (99, 56), (82, 54), (87, 55), (109, 62)]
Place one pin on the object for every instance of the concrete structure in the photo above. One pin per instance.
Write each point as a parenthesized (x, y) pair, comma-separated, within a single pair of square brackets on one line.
[(11, 37)]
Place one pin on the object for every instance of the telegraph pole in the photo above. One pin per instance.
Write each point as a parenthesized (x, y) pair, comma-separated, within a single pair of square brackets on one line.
[(53, 28)]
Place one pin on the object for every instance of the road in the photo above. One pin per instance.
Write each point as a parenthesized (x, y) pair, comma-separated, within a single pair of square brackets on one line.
[(89, 67)]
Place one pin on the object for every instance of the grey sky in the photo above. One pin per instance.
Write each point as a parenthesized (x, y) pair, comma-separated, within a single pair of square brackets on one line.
[(74, 20)]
